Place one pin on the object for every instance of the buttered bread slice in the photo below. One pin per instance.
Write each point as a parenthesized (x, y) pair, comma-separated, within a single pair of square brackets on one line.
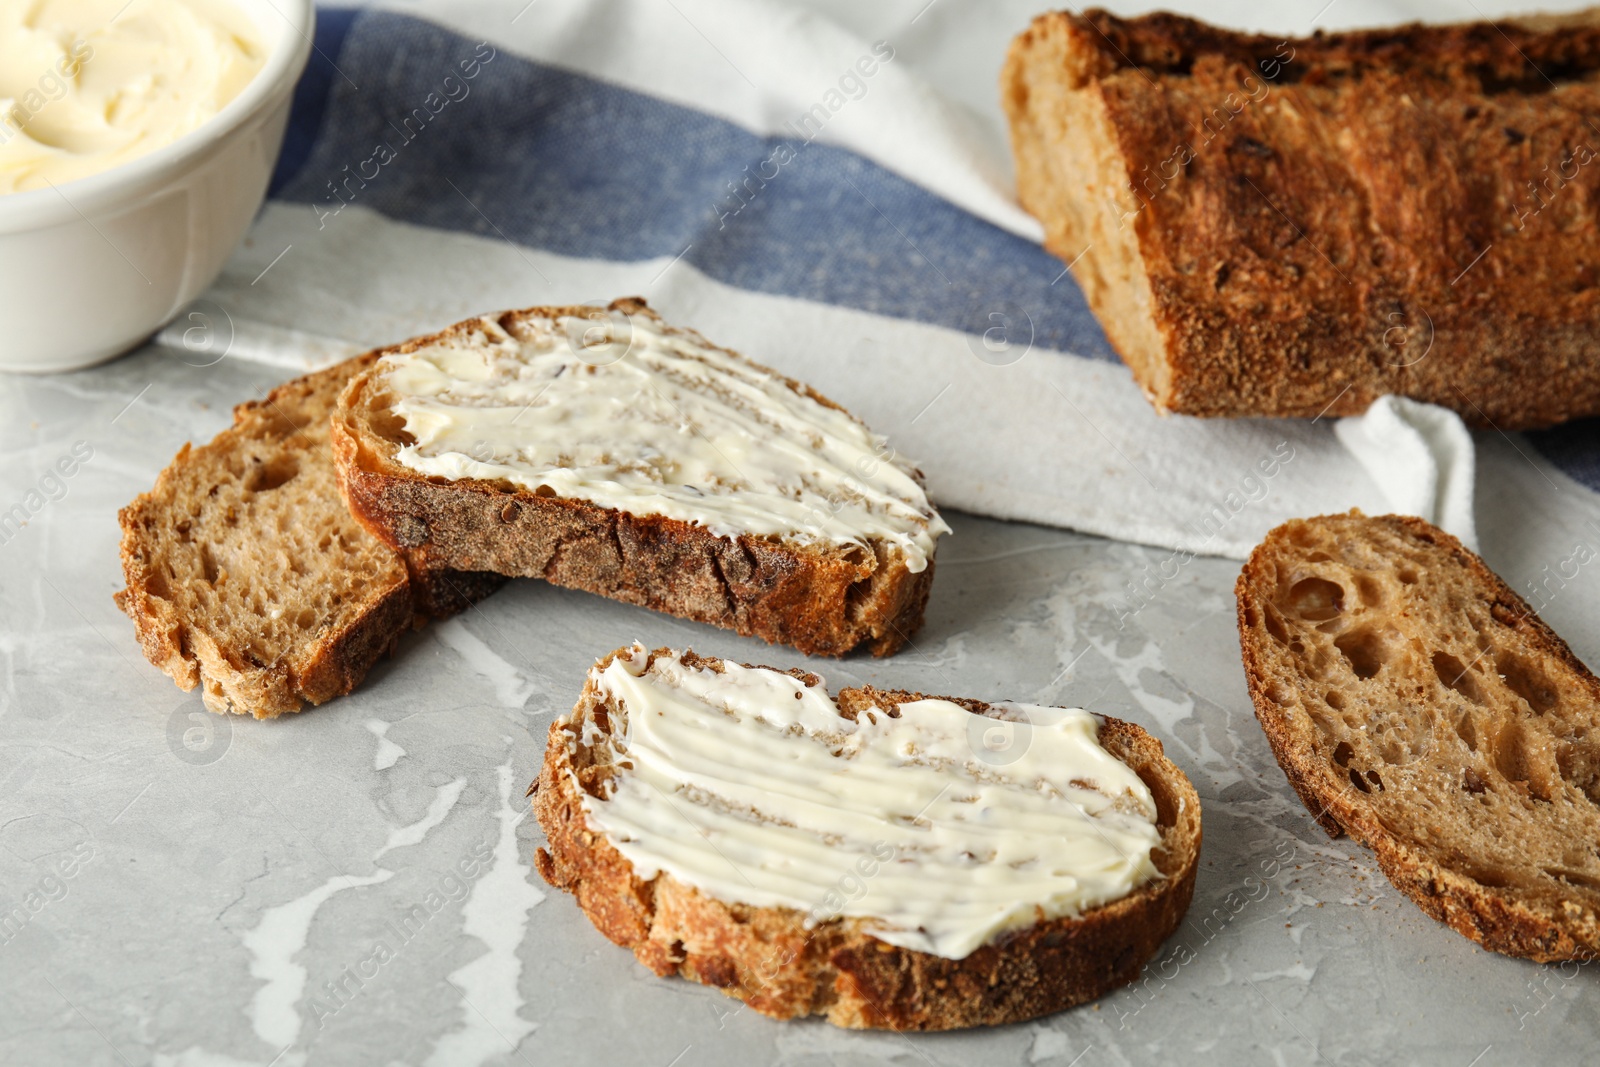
[(601, 449), (884, 859)]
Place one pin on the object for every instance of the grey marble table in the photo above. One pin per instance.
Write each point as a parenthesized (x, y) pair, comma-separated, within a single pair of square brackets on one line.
[(354, 884)]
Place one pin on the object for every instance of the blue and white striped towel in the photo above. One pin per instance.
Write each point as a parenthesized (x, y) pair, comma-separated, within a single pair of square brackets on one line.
[(825, 187)]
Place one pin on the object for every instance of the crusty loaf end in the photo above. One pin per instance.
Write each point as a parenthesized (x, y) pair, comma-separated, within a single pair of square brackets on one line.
[(1296, 227), (1073, 175)]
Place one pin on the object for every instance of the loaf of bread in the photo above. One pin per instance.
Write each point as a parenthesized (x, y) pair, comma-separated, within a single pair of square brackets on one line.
[(1416, 703), (1297, 227), (246, 574), (601, 449), (882, 859)]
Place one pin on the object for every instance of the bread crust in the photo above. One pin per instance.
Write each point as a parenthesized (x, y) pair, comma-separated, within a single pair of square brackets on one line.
[(826, 600), (324, 661), (767, 957), (1499, 918), (1375, 214)]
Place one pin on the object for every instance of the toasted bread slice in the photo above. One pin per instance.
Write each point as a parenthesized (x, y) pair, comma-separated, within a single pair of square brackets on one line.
[(1272, 227), (1416, 703), (813, 955), (486, 505), (247, 575)]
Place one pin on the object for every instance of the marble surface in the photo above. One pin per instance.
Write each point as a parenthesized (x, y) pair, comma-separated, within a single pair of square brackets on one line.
[(179, 888)]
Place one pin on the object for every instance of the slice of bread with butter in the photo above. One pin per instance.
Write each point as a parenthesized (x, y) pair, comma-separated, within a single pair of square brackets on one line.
[(876, 858), (601, 449)]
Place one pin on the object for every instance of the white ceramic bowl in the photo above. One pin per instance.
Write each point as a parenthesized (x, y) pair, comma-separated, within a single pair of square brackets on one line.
[(91, 270)]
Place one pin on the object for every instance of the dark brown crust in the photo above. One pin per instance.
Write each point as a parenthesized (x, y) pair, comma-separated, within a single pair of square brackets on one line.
[(1379, 183), (820, 601), (331, 661), (767, 958), (1498, 921)]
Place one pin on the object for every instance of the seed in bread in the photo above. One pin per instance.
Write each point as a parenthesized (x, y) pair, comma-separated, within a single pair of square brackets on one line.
[(246, 574), (1272, 227), (883, 859), (1416, 703), (600, 448)]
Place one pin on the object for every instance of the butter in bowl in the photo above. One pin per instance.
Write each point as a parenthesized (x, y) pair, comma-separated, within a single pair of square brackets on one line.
[(137, 138)]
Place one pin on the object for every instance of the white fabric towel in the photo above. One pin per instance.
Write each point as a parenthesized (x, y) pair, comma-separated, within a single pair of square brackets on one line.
[(1421, 456)]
